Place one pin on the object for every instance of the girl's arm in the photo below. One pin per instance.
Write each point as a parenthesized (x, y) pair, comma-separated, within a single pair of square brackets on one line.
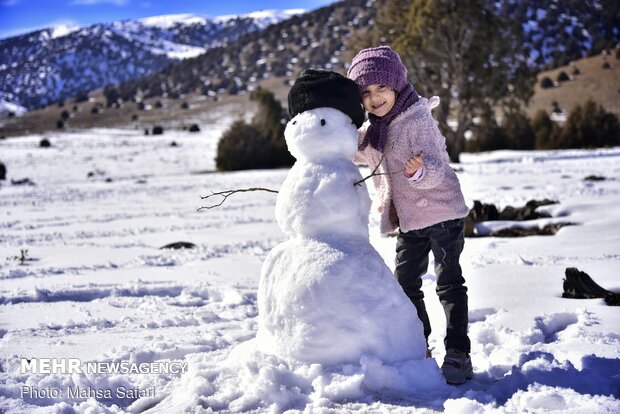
[(428, 140)]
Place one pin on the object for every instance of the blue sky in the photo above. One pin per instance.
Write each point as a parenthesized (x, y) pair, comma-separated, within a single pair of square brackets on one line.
[(22, 16)]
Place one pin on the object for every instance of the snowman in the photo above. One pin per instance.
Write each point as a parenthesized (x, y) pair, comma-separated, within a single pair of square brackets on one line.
[(325, 295)]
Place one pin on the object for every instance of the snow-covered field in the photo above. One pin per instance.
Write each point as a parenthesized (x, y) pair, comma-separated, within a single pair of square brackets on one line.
[(93, 284)]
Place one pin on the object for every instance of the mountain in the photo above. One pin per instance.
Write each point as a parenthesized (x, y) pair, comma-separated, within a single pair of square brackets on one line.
[(282, 50), (142, 66), (557, 32), (52, 64)]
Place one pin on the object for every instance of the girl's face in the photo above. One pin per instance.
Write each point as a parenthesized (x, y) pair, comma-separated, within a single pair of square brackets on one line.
[(378, 99)]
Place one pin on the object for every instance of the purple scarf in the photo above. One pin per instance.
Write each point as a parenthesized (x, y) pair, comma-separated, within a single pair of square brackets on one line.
[(376, 134)]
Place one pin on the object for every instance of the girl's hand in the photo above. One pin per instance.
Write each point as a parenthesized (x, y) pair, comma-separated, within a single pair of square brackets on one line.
[(414, 164)]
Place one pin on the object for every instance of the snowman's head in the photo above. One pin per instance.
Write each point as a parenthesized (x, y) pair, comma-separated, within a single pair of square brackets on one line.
[(321, 134), (326, 111)]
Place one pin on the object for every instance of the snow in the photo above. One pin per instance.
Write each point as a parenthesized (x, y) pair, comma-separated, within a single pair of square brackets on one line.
[(177, 50), (94, 285), (63, 30), (6, 107), (171, 20), (262, 18)]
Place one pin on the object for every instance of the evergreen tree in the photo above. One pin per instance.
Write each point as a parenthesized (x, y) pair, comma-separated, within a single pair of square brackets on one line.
[(270, 120), (487, 135), (589, 126), (270, 116), (460, 51), (543, 129), (518, 131)]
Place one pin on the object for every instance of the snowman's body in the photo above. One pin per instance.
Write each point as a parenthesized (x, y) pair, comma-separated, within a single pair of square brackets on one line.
[(325, 295)]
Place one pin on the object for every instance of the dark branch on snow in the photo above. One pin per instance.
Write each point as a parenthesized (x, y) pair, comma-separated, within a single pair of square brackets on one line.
[(227, 193)]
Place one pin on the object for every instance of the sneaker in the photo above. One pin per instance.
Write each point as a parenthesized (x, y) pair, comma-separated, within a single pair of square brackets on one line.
[(457, 367)]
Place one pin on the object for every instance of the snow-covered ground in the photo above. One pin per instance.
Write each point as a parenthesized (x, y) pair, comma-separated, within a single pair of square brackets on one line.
[(93, 284)]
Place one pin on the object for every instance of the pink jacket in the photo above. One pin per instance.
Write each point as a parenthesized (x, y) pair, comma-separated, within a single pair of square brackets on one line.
[(403, 202)]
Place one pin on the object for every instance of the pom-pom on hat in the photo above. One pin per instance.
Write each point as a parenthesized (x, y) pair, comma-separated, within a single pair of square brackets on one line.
[(316, 88), (378, 66)]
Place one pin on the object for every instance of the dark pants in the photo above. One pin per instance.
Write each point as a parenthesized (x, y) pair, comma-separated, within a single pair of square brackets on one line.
[(446, 241)]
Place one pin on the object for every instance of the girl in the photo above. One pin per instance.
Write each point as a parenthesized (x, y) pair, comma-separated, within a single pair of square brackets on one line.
[(418, 192)]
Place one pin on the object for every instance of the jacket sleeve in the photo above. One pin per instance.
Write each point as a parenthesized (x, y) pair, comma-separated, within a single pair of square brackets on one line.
[(427, 137)]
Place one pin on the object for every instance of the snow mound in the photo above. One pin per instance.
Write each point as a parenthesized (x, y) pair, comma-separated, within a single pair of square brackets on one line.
[(248, 379)]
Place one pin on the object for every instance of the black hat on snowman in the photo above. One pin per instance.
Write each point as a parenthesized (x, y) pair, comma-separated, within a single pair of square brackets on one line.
[(316, 88)]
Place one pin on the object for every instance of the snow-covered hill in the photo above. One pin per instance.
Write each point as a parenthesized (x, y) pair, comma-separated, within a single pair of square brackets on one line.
[(93, 284), (65, 61)]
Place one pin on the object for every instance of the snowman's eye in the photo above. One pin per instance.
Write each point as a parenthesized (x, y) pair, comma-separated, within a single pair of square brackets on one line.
[(322, 122), (294, 122)]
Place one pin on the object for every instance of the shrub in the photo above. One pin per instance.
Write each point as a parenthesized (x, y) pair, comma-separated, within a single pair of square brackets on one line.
[(518, 131), (576, 71), (563, 77), (194, 128), (243, 147), (589, 126), (45, 143), (81, 98), (60, 124), (233, 89), (158, 130), (2, 171), (259, 144), (112, 96), (546, 82)]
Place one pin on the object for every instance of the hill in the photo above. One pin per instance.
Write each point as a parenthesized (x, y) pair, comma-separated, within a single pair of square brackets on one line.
[(595, 77)]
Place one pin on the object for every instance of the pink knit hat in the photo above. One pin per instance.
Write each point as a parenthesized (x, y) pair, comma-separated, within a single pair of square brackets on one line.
[(378, 66)]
